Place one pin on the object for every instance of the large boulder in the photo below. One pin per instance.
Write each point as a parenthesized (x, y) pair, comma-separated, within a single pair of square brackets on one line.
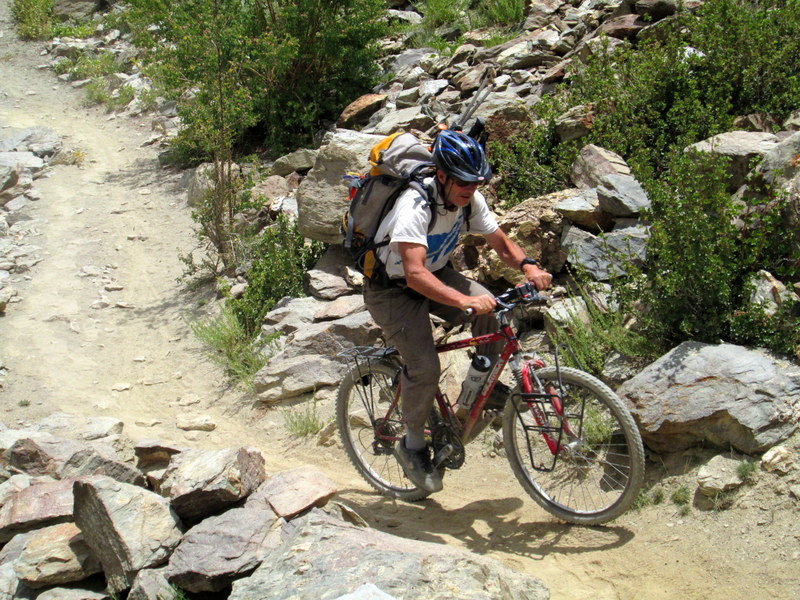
[(322, 196), (723, 395), (743, 148), (328, 558), (127, 527)]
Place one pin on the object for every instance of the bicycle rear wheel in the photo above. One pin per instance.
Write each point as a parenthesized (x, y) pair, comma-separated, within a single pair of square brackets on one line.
[(599, 467), (369, 431)]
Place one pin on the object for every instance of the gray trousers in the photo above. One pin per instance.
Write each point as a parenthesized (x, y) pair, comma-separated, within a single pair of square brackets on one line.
[(403, 315)]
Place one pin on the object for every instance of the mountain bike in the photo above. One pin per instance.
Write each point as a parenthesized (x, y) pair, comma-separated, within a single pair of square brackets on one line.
[(570, 440)]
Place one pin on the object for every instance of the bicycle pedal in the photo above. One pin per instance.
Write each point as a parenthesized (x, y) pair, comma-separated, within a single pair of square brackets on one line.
[(442, 455)]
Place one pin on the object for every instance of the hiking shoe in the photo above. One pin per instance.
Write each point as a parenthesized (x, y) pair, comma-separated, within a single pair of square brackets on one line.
[(418, 467), (497, 399)]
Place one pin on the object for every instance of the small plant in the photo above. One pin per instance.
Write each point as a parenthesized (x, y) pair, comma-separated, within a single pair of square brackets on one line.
[(681, 496), (75, 156), (34, 18), (654, 495), (746, 469), (230, 346), (23, 403), (658, 494), (303, 421), (723, 500), (684, 510), (73, 29)]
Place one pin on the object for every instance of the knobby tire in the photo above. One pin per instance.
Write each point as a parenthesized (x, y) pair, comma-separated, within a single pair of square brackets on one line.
[(363, 401), (598, 476)]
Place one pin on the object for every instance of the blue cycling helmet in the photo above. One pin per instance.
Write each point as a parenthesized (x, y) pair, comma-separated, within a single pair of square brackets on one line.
[(461, 157)]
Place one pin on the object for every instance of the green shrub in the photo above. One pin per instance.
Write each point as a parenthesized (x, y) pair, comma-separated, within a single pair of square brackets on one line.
[(73, 29), (531, 163), (591, 343), (304, 420), (276, 70), (281, 256), (501, 12), (682, 496), (34, 18), (230, 345), (437, 13)]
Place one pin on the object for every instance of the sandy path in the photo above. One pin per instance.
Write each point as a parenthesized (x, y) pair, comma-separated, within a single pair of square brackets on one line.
[(121, 220)]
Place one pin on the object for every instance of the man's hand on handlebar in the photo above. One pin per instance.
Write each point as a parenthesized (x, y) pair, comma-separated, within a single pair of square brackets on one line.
[(538, 277), (479, 305)]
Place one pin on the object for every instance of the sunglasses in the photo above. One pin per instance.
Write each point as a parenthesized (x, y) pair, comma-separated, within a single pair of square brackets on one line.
[(464, 184)]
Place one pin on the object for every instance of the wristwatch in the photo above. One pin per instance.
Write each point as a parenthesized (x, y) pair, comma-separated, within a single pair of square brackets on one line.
[(528, 261)]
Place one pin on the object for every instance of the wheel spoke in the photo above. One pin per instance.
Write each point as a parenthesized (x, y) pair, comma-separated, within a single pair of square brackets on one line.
[(598, 470)]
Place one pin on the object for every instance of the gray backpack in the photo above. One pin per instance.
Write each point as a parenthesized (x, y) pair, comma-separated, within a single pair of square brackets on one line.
[(399, 162)]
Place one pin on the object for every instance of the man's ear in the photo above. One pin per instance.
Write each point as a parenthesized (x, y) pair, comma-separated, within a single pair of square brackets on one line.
[(441, 176)]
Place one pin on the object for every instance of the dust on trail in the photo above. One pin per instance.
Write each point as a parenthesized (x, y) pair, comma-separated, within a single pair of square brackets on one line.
[(121, 221)]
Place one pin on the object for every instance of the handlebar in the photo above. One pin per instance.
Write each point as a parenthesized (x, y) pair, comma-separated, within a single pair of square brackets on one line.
[(523, 293)]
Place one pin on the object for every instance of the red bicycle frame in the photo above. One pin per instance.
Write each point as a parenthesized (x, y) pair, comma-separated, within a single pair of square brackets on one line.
[(505, 333)]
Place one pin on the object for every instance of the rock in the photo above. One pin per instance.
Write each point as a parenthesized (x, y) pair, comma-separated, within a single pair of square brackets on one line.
[(742, 147), (592, 163), (404, 119), (340, 308), (359, 111), (624, 27), (575, 123), (535, 225), (55, 555), (127, 527), (583, 208), (151, 584), (770, 294), (291, 376), (294, 491), (719, 475), (778, 460), (326, 281), (202, 482), (322, 197), (39, 505), (656, 9), (605, 255), (724, 395), (224, 548), (23, 160), (299, 161), (195, 423), (326, 557), (40, 141), (291, 314), (74, 9), (621, 195)]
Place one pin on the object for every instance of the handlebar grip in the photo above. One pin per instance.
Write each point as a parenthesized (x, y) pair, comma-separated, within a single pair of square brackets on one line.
[(469, 311)]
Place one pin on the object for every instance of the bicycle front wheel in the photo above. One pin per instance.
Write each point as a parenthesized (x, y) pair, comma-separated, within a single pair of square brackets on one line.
[(597, 467), (369, 429)]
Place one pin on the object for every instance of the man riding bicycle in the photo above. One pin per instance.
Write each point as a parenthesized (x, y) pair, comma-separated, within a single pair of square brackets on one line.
[(421, 282)]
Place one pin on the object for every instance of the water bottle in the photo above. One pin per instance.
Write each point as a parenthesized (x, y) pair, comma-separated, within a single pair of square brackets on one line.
[(476, 377)]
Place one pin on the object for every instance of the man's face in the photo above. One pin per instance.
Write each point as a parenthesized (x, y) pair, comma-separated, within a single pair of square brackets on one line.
[(456, 192)]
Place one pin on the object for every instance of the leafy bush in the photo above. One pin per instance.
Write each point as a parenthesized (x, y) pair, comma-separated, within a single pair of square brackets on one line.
[(532, 163), (34, 18), (280, 258), (303, 421), (699, 264), (279, 69)]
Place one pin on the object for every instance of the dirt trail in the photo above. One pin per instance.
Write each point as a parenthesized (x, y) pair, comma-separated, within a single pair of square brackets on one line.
[(120, 219)]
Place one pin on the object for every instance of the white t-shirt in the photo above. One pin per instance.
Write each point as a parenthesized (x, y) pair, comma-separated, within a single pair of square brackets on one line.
[(408, 222)]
